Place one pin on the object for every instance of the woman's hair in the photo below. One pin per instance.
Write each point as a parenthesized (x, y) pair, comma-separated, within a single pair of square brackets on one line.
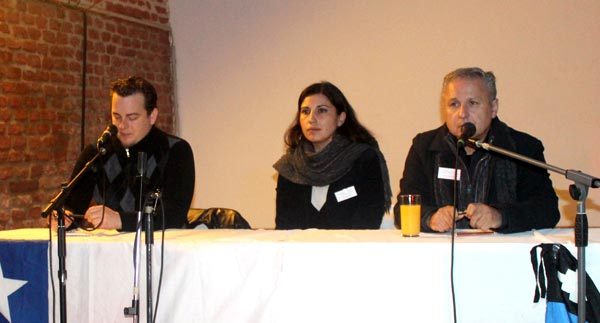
[(351, 128)]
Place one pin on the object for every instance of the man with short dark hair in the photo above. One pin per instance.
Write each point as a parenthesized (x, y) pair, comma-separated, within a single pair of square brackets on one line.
[(108, 193)]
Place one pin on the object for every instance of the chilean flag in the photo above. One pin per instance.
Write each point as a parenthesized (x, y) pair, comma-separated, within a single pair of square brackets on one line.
[(556, 278), (23, 281)]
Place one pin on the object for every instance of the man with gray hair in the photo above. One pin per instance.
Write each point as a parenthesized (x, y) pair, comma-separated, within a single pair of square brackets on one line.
[(492, 191)]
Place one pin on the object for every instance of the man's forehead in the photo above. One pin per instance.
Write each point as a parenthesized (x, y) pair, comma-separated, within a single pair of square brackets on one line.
[(135, 113), (473, 87), (129, 105)]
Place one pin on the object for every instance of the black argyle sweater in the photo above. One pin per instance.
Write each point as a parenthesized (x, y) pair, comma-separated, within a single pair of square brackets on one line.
[(113, 180)]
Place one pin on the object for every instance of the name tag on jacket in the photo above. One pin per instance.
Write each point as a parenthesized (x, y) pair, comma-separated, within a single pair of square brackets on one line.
[(346, 193), (448, 173)]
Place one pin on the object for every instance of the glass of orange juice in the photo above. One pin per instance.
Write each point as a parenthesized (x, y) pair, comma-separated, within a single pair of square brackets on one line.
[(410, 215)]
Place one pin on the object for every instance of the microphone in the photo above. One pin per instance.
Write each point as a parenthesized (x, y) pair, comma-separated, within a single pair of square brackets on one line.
[(110, 131), (142, 161), (468, 130)]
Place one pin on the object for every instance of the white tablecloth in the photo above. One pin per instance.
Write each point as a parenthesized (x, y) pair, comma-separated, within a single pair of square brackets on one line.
[(310, 275)]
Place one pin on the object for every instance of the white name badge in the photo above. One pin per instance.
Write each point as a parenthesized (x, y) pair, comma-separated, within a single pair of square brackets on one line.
[(346, 193), (448, 173)]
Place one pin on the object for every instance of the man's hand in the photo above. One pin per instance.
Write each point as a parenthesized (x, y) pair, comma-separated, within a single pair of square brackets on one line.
[(483, 216), (53, 219), (103, 217), (442, 220)]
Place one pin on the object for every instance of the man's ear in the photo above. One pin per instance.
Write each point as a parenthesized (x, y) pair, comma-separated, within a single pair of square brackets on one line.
[(153, 116), (495, 106)]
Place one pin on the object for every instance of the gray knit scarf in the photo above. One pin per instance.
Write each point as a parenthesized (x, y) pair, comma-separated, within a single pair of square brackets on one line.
[(304, 166)]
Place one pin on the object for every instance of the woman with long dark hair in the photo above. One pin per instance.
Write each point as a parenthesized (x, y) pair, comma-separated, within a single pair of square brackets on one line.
[(333, 175)]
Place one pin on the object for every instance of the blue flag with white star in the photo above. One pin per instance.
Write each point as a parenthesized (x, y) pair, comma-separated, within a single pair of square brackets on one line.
[(23, 281), (556, 278)]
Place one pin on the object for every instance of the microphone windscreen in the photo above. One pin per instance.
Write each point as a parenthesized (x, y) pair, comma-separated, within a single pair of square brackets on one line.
[(468, 130), (112, 129)]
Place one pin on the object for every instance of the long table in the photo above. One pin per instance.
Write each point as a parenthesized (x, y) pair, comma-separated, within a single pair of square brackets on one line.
[(309, 275)]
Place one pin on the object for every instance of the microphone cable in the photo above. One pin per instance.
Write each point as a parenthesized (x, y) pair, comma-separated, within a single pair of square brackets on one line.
[(162, 255), (454, 215), (82, 223), (468, 129)]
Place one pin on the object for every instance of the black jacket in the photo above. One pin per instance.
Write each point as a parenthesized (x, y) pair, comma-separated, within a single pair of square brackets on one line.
[(364, 211), (113, 179), (521, 192)]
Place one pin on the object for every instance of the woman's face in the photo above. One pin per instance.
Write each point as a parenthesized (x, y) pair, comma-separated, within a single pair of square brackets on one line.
[(319, 120)]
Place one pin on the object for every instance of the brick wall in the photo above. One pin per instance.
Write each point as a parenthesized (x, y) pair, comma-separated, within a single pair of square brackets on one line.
[(42, 84)]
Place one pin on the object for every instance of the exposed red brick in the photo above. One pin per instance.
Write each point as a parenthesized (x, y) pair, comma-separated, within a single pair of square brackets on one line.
[(12, 43), (34, 61), (5, 173), (49, 36), (35, 8), (4, 115), (35, 212), (28, 19), (42, 49), (44, 155), (18, 214), (67, 27), (29, 46), (44, 129), (5, 143), (23, 186), (34, 142), (4, 28), (12, 17), (62, 38), (34, 33), (93, 35), (14, 101), (18, 143), (50, 11), (15, 129), (41, 22), (36, 170), (161, 10)]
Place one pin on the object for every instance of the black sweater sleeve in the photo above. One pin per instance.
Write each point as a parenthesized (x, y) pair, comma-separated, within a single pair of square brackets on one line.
[(417, 178), (81, 192)]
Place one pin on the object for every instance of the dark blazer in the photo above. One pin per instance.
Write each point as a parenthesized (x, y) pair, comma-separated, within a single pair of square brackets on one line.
[(521, 192)]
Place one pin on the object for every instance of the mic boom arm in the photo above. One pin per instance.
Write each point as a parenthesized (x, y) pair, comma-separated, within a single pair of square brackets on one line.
[(573, 175), (578, 191)]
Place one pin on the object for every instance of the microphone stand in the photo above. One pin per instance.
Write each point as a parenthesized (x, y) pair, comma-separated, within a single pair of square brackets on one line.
[(578, 191), (57, 204), (149, 212), (135, 302)]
